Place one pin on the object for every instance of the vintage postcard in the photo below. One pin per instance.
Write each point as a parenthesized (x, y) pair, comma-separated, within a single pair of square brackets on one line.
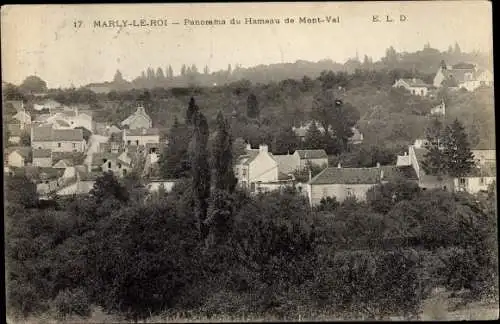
[(249, 162)]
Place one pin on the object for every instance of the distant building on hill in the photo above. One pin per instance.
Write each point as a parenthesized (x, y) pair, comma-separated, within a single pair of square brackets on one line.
[(462, 75), (415, 86)]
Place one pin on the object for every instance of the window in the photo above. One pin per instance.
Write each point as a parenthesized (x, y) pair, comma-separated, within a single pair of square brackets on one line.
[(422, 92), (128, 142), (74, 145), (109, 165), (137, 142), (58, 144), (252, 187), (462, 181), (124, 172), (244, 172), (349, 192), (119, 165), (481, 181)]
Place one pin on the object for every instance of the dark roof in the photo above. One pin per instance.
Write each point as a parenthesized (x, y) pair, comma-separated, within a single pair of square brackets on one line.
[(392, 172), (42, 133), (463, 66), (71, 156), (335, 175), (67, 135), (42, 153), (312, 154), (24, 151), (17, 104), (142, 132), (248, 157)]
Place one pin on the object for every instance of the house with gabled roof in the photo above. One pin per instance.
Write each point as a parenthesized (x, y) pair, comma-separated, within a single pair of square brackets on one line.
[(139, 119), (343, 183), (42, 158), (57, 140), (415, 86), (18, 156), (308, 158), (462, 75), (23, 118), (120, 164), (256, 165), (62, 164)]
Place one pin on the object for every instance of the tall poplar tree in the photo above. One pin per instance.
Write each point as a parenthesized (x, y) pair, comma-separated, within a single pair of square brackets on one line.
[(434, 162), (191, 111), (200, 169), (222, 156)]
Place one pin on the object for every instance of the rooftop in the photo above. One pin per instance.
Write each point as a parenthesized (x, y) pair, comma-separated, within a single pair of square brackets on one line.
[(142, 132), (42, 153), (335, 175), (312, 154)]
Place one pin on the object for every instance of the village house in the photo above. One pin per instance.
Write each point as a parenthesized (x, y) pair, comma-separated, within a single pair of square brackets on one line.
[(118, 163), (42, 158), (307, 158), (17, 156), (462, 75), (57, 140), (68, 119), (343, 183), (49, 104), (415, 86), (141, 136), (254, 166), (23, 118), (139, 119), (478, 179)]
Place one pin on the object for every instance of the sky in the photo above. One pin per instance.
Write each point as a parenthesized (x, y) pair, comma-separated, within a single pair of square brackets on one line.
[(43, 40)]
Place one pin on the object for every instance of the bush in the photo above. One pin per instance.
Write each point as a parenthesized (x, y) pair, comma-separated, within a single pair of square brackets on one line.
[(72, 302)]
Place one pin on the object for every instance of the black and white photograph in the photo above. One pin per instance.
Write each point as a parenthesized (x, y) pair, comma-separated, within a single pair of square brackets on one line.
[(249, 162)]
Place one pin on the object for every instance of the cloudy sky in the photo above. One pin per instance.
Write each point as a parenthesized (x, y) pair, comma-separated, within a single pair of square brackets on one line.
[(43, 41)]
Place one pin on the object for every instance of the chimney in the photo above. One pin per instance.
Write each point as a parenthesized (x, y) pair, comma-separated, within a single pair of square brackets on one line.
[(310, 174), (381, 174), (339, 166), (249, 147), (406, 153), (378, 165), (263, 148)]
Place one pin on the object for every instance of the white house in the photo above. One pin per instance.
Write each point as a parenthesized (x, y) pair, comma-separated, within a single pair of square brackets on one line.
[(254, 166), (139, 119), (415, 86), (120, 164), (18, 156), (439, 110)]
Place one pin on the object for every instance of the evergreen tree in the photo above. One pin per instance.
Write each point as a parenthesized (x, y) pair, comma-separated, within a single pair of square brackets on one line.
[(118, 78), (200, 169), (174, 162), (434, 162), (252, 106), (191, 111), (160, 76), (222, 158), (183, 70), (458, 156), (206, 71), (314, 139), (457, 49), (286, 141), (170, 72)]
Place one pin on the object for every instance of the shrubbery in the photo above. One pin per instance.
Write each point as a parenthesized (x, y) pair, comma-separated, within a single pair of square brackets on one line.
[(265, 255)]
